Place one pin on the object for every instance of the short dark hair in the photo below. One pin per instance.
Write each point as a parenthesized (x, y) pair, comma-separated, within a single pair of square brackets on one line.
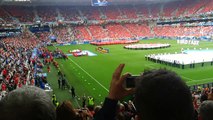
[(27, 103), (206, 109), (162, 94), (66, 111)]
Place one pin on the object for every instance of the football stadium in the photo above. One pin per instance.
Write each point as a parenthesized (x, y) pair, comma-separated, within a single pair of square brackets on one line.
[(106, 59)]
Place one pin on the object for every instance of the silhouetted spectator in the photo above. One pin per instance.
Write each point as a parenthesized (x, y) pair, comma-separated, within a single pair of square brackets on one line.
[(160, 95), (27, 103), (59, 83), (73, 91), (66, 111), (63, 83), (206, 110)]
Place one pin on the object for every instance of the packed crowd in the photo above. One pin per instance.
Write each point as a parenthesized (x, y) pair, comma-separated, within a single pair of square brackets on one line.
[(171, 31), (23, 14), (128, 31), (63, 35), (21, 61), (54, 13), (159, 94), (68, 34), (17, 64)]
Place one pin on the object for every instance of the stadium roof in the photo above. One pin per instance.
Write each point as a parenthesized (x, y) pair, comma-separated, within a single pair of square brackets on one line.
[(79, 2)]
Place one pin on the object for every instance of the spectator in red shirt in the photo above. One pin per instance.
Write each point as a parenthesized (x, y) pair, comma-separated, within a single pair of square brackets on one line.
[(16, 80), (4, 72), (3, 87), (19, 85), (48, 68)]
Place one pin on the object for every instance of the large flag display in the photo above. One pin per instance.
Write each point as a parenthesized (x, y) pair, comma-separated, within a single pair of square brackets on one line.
[(99, 2)]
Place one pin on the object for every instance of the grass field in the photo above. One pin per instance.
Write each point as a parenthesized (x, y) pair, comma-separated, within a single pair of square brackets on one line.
[(92, 75)]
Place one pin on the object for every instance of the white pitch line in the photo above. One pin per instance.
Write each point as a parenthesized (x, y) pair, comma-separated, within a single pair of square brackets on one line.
[(196, 80), (187, 78), (77, 102), (202, 79), (207, 79), (88, 74)]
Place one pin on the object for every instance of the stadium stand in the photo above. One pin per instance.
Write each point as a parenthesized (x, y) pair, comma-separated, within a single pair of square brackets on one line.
[(52, 14), (23, 14), (207, 7), (91, 13), (128, 11), (195, 7), (5, 16), (169, 9), (170, 31), (111, 12), (115, 24), (47, 14), (83, 33), (17, 71), (117, 31), (98, 32), (183, 8), (155, 11), (142, 11), (62, 34), (141, 31), (69, 13)]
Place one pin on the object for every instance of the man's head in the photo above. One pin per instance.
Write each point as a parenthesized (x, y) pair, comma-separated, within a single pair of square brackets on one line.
[(161, 94), (210, 95), (66, 111), (206, 110), (27, 103)]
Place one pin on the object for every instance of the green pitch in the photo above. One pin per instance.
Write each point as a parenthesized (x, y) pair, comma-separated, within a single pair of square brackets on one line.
[(91, 75)]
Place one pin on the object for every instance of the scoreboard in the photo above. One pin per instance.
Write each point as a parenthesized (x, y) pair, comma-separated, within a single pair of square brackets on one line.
[(100, 2)]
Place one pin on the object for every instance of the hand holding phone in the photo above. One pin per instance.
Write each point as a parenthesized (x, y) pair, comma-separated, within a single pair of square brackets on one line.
[(117, 90), (130, 81)]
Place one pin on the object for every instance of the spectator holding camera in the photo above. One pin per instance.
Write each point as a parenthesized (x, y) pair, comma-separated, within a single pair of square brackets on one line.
[(160, 94), (116, 92)]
